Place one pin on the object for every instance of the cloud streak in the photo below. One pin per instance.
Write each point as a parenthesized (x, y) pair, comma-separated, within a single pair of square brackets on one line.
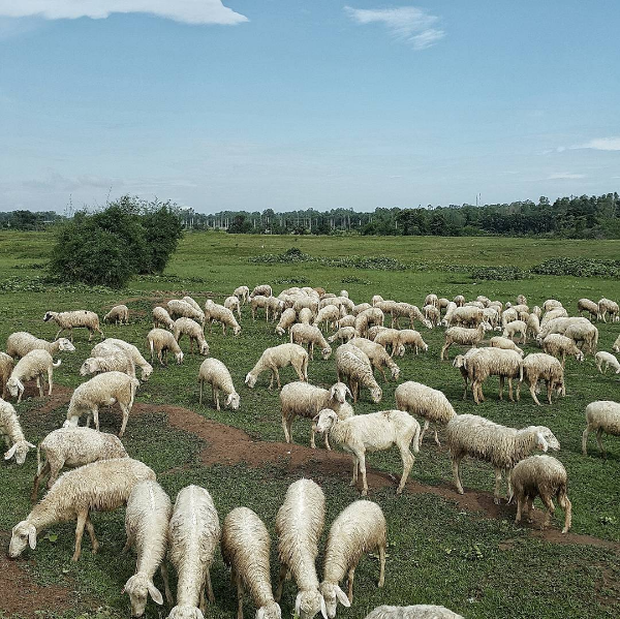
[(601, 144), (407, 23), (185, 11), (565, 176)]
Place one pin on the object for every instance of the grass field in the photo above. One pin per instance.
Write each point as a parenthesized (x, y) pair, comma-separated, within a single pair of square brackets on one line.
[(460, 552)]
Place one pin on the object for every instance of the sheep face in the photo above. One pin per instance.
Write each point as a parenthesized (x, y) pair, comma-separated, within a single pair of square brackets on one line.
[(179, 357), (326, 353), (546, 439), (325, 420), (376, 393), (20, 451), (88, 367), (395, 373), (332, 594), (308, 604), (233, 401), (186, 612), (71, 422), (48, 316), (204, 349), (428, 324), (250, 381), (65, 345), (147, 370), (15, 386), (138, 587), (269, 611), (23, 534), (236, 330), (339, 392)]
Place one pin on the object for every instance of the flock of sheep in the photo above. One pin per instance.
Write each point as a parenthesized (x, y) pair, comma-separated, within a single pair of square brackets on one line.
[(104, 477)]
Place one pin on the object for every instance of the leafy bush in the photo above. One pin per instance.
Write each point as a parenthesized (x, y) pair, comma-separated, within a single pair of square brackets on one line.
[(352, 279), (506, 273), (300, 280), (294, 254), (579, 267)]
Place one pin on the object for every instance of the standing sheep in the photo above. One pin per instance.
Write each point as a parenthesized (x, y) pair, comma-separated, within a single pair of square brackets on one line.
[(160, 342), (585, 305), (119, 315), (11, 431), (608, 360), (368, 318), (177, 309), (463, 337), (278, 357), (378, 356), (559, 346), (586, 333), (21, 343), (262, 289), (232, 303), (131, 351), (242, 293), (540, 366), (6, 367), (413, 338), (161, 318), (353, 365), (215, 373), (70, 320), (344, 334), (492, 362), (606, 306), (117, 361), (514, 327), (505, 343), (187, 326), (287, 320), (221, 314), (418, 611), (311, 336), (532, 326), (602, 416), (36, 364)]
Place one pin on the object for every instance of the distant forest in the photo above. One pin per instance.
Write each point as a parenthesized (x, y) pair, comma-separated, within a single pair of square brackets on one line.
[(568, 217)]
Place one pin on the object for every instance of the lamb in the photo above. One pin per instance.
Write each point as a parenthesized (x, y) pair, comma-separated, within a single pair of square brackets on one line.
[(559, 346), (431, 404), (161, 318), (6, 367), (70, 320), (372, 432), (503, 447), (532, 326), (101, 486), (215, 373), (119, 314), (132, 352), (287, 320), (35, 364), (262, 289), (259, 302), (606, 306), (459, 300), (463, 337), (388, 337), (616, 346), (328, 315), (11, 431), (102, 390), (311, 336), (353, 365), (177, 309), (602, 416), (117, 361), (146, 523), (21, 343), (607, 359), (304, 400), (232, 303), (542, 476), (413, 338), (585, 305), (245, 548), (73, 447), (193, 536), (305, 316), (187, 326), (551, 304), (418, 611), (586, 333), (242, 293), (514, 327), (278, 357), (378, 356), (432, 314), (218, 313), (160, 342), (299, 524), (505, 343), (431, 299), (359, 529), (368, 318), (540, 366), (344, 334)]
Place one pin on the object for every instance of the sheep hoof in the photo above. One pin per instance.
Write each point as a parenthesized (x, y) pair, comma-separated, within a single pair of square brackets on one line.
[(497, 501)]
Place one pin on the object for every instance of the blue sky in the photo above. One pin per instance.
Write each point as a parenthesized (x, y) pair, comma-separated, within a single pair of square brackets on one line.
[(289, 104)]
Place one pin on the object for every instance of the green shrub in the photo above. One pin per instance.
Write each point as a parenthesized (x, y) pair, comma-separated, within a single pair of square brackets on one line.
[(507, 273)]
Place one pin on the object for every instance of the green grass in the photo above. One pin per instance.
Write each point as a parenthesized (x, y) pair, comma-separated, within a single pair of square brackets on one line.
[(478, 566)]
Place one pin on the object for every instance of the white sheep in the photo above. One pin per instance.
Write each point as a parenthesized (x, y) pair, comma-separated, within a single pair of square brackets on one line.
[(558, 312), (192, 302), (242, 293), (71, 320), (509, 315), (160, 342), (467, 316), (551, 304), (460, 361), (358, 309), (586, 333), (259, 302), (616, 345), (36, 364), (133, 353), (586, 305), (347, 321), (11, 431), (606, 359), (418, 611), (245, 548), (431, 404), (353, 365), (216, 374), (378, 356), (560, 346), (372, 432), (514, 327), (305, 316), (117, 361), (221, 314), (21, 343), (360, 528), (193, 536), (287, 320), (505, 343), (368, 318), (100, 486), (161, 318), (412, 338), (607, 306), (119, 315), (146, 523), (262, 289), (344, 334), (278, 357), (387, 338), (540, 366), (232, 303), (459, 300), (602, 416), (178, 308), (187, 326), (102, 390), (311, 336), (6, 367), (463, 337), (532, 326), (503, 447), (329, 316)]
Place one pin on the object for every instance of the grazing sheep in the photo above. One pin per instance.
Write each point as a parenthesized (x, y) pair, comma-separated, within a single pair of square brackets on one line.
[(467, 316), (540, 366), (36, 364), (484, 300), (559, 312), (358, 309), (353, 365), (508, 315), (542, 476), (344, 334), (100, 486), (431, 299), (560, 325), (73, 447), (310, 303), (551, 304), (242, 293), (431, 404), (521, 300), (305, 316), (460, 361), (131, 351), (378, 356), (616, 345), (585, 305), (21, 343), (11, 431), (387, 337), (432, 314), (602, 416), (146, 524), (514, 327), (459, 300), (232, 303), (304, 400), (376, 298), (192, 302), (503, 447), (491, 315), (418, 611), (245, 548), (278, 357), (71, 320), (161, 318), (287, 320), (463, 337), (6, 367), (299, 524), (119, 314), (117, 361), (262, 289), (193, 536), (532, 326), (359, 529), (372, 432), (178, 309), (221, 314), (413, 338), (368, 318), (311, 336), (537, 312), (505, 343), (406, 310), (373, 332), (187, 326), (559, 346), (102, 390), (259, 302), (329, 316), (160, 342), (586, 333), (215, 373), (608, 360), (606, 306)]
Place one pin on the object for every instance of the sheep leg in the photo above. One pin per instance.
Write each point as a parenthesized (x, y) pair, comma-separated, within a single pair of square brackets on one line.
[(599, 440), (201, 386), (566, 505), (91, 533), (327, 445), (125, 410), (530, 508), (443, 350), (350, 578), (475, 391), (498, 484), (278, 378), (584, 441), (456, 463), (59, 332), (424, 429), (216, 396), (50, 373), (210, 595), (239, 597), (79, 532), (501, 388), (361, 462), (164, 576), (508, 475), (281, 578), (312, 443), (408, 460), (40, 386), (287, 429), (37, 480), (533, 392), (382, 566), (96, 418), (355, 471), (510, 394), (128, 544), (550, 508), (202, 604), (520, 501)]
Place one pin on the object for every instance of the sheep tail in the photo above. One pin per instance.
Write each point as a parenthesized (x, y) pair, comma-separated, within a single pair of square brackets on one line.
[(57, 363), (39, 467), (521, 372), (415, 442)]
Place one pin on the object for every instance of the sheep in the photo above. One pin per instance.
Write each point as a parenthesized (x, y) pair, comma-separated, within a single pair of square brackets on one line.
[(242, 293), (310, 303), (463, 337), (602, 416), (505, 343), (606, 306), (259, 302), (503, 447), (491, 315), (161, 318), (102, 390), (187, 326), (376, 298), (6, 367), (328, 315), (378, 356), (459, 300), (521, 300), (431, 299), (278, 357), (413, 338), (344, 334), (616, 345), (132, 352), (539, 366), (559, 325), (585, 305), (388, 337), (192, 302), (586, 333), (373, 432), (551, 304), (558, 312), (373, 332), (21, 343), (245, 548), (406, 310), (467, 316), (221, 314), (146, 523), (11, 431), (215, 373), (117, 361), (508, 315), (304, 400), (478, 304), (178, 309), (311, 336), (232, 303), (100, 486), (354, 365), (432, 314), (193, 536), (160, 342), (299, 524), (559, 346), (35, 364), (119, 314), (460, 361), (70, 320), (262, 289), (287, 320), (73, 447), (484, 300), (532, 326), (360, 528), (358, 309), (431, 404), (305, 316), (608, 360), (387, 307), (368, 318), (523, 312), (537, 312), (418, 611), (514, 327), (542, 476)]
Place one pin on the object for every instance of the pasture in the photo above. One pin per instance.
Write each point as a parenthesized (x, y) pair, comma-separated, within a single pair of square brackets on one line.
[(460, 551)]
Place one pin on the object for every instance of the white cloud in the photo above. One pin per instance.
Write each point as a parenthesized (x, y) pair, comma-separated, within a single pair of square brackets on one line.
[(564, 176), (186, 11), (407, 23), (601, 144)]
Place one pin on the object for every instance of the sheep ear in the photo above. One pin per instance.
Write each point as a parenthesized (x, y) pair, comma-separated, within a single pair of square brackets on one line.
[(349, 392), (32, 537), (11, 452), (332, 391), (155, 594), (31, 445), (324, 608), (199, 614), (342, 597), (542, 442), (298, 605), (260, 613)]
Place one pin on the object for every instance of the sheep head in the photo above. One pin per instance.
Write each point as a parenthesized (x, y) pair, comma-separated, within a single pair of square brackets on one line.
[(332, 594), (376, 393), (20, 451), (326, 352), (139, 587), (15, 386), (250, 380), (271, 610), (23, 534), (233, 401), (325, 420), (48, 316), (339, 392), (309, 603), (545, 438), (65, 345)]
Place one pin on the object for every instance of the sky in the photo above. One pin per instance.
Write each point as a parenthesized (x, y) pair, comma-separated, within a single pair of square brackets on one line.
[(292, 104)]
